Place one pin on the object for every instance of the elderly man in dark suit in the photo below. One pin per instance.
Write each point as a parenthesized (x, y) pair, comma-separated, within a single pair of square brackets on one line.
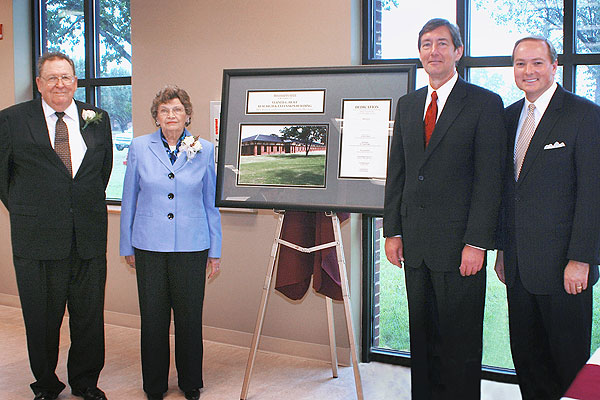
[(442, 198), (550, 231), (55, 162)]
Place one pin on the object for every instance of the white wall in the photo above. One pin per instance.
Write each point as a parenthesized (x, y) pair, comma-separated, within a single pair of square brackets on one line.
[(189, 46)]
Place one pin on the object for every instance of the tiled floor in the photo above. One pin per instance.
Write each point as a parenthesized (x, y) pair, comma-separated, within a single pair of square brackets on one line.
[(274, 377)]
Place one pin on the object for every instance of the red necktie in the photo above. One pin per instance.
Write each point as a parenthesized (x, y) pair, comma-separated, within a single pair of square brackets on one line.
[(430, 117)]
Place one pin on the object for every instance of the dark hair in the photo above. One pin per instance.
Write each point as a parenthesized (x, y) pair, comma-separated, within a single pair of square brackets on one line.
[(171, 92), (551, 50), (53, 56), (435, 23)]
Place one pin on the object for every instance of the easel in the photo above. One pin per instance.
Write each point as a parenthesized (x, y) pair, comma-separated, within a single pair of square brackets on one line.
[(345, 295)]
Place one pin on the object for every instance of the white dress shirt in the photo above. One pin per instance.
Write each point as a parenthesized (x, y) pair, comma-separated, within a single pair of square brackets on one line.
[(541, 104), (76, 142), (442, 93)]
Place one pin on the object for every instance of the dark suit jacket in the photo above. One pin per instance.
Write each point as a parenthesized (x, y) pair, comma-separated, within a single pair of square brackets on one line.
[(45, 203), (552, 213), (447, 195)]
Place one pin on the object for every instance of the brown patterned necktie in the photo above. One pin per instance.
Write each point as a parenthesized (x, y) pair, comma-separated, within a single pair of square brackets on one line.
[(61, 142), (430, 117)]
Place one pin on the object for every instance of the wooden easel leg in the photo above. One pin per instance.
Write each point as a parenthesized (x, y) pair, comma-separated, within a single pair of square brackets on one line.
[(332, 345), (261, 311), (348, 311)]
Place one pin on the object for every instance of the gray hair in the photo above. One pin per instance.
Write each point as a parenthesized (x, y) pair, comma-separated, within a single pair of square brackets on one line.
[(435, 23), (53, 56)]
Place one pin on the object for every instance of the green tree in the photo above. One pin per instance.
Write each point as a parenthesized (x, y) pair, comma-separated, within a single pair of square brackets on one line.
[(545, 18), (65, 28), (388, 4), (64, 31), (306, 134), (116, 100)]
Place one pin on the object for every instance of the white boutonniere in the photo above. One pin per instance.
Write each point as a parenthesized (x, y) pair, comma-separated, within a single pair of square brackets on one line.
[(191, 145), (90, 117)]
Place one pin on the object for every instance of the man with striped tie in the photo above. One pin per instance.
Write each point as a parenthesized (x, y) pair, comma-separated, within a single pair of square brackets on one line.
[(549, 236), (55, 162)]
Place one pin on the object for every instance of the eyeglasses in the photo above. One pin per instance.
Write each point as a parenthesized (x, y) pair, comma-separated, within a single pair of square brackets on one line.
[(67, 80), (165, 112)]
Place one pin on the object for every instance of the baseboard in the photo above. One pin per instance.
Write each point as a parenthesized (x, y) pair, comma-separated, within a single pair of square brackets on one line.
[(10, 300), (122, 319), (271, 344), (226, 336)]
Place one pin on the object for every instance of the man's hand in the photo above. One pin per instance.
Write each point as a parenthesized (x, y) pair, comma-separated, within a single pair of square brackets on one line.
[(130, 260), (214, 264), (472, 260), (576, 277), (499, 267), (394, 250)]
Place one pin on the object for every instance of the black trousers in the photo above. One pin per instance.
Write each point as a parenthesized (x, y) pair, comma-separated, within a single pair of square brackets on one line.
[(550, 338), (446, 327), (45, 287), (171, 281)]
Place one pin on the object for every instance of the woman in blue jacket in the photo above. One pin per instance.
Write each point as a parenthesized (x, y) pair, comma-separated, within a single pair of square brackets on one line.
[(171, 234)]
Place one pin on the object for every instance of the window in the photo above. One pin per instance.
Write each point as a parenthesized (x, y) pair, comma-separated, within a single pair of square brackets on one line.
[(489, 29), (96, 35)]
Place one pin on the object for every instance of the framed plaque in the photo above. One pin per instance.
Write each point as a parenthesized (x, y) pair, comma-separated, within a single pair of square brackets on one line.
[(308, 138)]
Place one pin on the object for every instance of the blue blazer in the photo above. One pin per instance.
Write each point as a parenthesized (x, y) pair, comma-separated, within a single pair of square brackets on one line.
[(169, 208)]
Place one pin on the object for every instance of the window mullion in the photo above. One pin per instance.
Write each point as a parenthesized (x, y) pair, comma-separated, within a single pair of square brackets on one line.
[(569, 45), (89, 49)]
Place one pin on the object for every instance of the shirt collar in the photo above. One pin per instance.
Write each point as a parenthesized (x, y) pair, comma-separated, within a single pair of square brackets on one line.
[(70, 112), (542, 102), (443, 91), (166, 144)]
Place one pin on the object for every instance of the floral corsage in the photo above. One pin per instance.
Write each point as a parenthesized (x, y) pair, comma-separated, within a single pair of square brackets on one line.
[(90, 117), (191, 145)]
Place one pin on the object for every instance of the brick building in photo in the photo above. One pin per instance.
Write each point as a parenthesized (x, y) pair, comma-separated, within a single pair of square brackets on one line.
[(257, 145)]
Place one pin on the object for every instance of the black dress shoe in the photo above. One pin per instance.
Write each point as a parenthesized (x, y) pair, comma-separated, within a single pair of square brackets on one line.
[(192, 394), (45, 396), (91, 393), (154, 396)]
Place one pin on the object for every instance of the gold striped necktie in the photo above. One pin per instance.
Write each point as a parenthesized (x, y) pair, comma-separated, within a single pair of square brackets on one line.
[(527, 131)]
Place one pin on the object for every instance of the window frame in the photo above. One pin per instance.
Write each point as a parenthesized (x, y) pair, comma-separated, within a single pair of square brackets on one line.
[(568, 59), (90, 83), (369, 353)]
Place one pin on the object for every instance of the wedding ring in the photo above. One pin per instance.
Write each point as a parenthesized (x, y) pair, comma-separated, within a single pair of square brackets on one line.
[(579, 287)]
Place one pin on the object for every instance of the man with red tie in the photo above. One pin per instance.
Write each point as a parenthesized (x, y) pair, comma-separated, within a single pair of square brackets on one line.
[(55, 162), (442, 198)]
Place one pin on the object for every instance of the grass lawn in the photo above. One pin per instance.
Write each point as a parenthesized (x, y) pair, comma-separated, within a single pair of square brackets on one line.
[(114, 190), (283, 169), (496, 347)]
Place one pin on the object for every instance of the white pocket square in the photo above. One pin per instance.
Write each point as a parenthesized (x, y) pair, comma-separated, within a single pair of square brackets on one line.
[(556, 145)]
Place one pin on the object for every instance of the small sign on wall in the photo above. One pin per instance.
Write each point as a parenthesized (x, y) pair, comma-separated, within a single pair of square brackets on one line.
[(1, 34), (215, 116)]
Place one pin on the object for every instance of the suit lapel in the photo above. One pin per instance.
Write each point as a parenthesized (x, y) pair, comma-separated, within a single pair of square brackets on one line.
[(512, 117), (454, 105), (416, 125), (89, 137), (181, 160), (542, 132), (39, 132), (88, 133), (158, 149)]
